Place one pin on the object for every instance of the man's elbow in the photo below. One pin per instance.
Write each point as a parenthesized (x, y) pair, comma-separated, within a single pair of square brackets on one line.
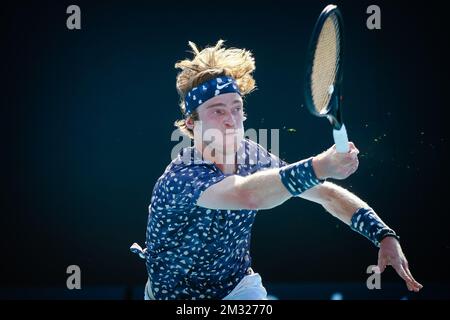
[(253, 200), (249, 200)]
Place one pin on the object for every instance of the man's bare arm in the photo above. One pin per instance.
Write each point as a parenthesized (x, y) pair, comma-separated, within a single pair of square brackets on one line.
[(265, 190), (343, 204), (261, 190), (338, 201)]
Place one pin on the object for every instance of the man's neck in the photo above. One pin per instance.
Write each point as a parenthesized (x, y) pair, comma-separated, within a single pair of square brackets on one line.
[(225, 162), (227, 168)]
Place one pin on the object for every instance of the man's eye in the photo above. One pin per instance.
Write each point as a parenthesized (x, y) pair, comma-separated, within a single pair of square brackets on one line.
[(219, 112)]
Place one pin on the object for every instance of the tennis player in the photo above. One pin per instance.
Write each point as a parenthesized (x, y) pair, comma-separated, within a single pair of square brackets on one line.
[(204, 205)]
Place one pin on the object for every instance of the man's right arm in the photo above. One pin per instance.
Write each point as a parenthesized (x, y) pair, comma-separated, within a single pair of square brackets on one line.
[(265, 190), (261, 190)]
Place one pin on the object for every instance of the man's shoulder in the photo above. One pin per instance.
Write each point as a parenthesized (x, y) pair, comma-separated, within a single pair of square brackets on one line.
[(180, 173), (255, 147), (179, 186), (259, 154)]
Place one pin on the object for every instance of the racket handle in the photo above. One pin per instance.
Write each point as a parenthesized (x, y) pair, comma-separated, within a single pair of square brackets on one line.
[(341, 139)]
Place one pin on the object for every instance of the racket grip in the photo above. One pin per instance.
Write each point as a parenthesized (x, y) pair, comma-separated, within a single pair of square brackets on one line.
[(341, 139)]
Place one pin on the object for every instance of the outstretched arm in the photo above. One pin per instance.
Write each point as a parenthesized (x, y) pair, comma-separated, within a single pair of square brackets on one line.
[(344, 205), (270, 188)]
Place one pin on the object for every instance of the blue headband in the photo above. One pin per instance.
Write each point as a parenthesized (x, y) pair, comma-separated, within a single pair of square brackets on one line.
[(208, 90)]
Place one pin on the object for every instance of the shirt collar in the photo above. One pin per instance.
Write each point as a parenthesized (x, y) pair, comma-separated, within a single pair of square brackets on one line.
[(190, 155)]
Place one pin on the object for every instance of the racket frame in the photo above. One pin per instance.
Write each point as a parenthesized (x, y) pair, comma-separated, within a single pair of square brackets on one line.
[(333, 111)]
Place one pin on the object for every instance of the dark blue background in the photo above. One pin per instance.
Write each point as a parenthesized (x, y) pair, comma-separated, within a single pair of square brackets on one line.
[(87, 117)]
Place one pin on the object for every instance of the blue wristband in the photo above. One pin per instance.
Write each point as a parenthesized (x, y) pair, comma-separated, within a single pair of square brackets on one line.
[(299, 177), (367, 223)]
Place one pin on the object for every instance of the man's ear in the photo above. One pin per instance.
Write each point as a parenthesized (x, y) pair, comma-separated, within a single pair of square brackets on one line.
[(189, 123)]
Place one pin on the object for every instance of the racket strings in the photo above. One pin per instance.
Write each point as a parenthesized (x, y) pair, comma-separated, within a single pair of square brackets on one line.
[(325, 64)]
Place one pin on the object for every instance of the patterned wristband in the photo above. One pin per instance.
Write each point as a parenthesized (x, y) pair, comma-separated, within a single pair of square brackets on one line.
[(367, 223), (299, 177)]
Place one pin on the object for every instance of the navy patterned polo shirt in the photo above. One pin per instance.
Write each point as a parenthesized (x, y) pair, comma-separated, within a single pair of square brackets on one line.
[(195, 252)]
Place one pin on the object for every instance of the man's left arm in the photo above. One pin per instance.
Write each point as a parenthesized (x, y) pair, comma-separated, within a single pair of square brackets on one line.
[(357, 214)]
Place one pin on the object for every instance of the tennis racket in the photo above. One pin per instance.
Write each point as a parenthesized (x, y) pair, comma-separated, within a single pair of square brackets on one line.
[(324, 73)]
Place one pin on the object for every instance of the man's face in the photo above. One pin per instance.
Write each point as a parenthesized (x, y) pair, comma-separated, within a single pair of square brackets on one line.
[(221, 122)]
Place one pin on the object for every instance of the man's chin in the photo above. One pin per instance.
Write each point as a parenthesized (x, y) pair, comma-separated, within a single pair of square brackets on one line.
[(232, 142), (229, 148)]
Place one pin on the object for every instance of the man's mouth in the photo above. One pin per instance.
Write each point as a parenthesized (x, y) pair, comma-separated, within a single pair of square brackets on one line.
[(232, 132)]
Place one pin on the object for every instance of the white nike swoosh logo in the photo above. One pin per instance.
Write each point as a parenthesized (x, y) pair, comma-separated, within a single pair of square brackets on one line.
[(223, 86)]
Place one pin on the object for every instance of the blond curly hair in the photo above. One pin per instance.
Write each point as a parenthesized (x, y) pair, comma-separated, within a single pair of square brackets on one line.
[(208, 64)]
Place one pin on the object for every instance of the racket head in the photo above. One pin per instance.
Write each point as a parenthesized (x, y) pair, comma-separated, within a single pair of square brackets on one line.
[(324, 65)]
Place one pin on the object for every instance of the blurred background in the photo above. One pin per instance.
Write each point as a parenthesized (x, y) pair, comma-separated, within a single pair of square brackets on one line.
[(87, 117)]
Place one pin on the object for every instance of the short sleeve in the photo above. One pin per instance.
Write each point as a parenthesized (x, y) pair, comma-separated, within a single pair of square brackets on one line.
[(269, 160), (279, 162), (182, 188)]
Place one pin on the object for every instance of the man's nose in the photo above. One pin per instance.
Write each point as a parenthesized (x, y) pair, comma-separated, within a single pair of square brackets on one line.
[(229, 121)]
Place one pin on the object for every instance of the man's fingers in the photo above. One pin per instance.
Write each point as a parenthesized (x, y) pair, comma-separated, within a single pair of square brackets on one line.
[(350, 171), (352, 155), (382, 264), (402, 273), (417, 285), (405, 266), (350, 162), (353, 148), (351, 167)]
